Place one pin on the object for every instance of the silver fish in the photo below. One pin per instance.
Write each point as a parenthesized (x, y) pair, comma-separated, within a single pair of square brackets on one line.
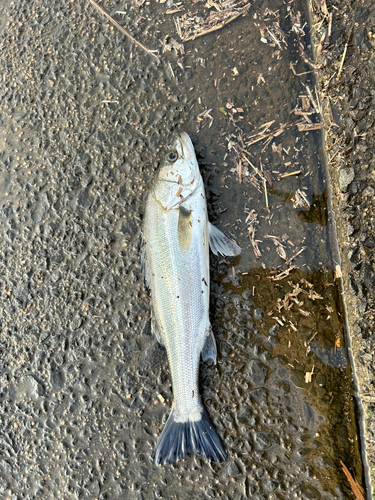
[(175, 262)]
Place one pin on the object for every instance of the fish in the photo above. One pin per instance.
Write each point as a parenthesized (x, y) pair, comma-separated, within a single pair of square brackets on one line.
[(176, 237)]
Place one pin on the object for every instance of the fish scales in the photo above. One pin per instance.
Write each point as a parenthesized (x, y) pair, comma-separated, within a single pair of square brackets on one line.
[(175, 262), (180, 299)]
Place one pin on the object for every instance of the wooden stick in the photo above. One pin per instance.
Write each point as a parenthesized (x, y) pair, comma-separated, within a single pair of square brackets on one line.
[(273, 133), (170, 67), (318, 101), (306, 127), (294, 256), (311, 97), (265, 192), (283, 274), (342, 61), (251, 165), (296, 172), (115, 23), (353, 484), (332, 157), (214, 28)]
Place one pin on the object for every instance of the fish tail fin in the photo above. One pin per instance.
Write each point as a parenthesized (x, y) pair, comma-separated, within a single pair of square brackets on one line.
[(181, 438)]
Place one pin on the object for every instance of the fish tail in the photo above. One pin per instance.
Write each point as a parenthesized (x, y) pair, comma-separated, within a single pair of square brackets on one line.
[(181, 438)]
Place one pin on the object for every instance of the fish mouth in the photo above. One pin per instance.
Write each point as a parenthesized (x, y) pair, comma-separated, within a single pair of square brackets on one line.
[(187, 148)]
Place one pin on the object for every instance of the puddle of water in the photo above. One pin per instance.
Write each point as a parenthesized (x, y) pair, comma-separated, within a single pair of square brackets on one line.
[(81, 366)]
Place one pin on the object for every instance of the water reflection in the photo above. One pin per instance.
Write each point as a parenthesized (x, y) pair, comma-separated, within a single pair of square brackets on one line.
[(317, 212), (290, 377)]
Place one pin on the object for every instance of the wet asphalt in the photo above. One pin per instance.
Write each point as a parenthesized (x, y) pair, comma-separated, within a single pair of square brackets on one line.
[(84, 389)]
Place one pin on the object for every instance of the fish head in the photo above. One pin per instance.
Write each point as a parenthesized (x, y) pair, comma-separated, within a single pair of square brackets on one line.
[(179, 175)]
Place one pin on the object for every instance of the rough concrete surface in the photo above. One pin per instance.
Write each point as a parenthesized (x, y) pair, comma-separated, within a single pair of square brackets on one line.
[(345, 38), (84, 390)]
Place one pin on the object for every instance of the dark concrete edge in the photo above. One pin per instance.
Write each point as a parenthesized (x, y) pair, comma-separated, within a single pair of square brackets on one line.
[(339, 227)]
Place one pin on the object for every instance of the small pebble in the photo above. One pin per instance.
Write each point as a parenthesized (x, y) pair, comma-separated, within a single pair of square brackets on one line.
[(258, 314)]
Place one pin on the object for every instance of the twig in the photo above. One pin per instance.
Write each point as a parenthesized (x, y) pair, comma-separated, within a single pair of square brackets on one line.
[(283, 274), (330, 25), (312, 338), (267, 143), (100, 9), (278, 131), (170, 67), (353, 484), (350, 31), (305, 127), (297, 172), (256, 171), (265, 192), (251, 165), (332, 157), (294, 256), (315, 106), (252, 221), (319, 104), (178, 26), (215, 28), (342, 61), (291, 65)]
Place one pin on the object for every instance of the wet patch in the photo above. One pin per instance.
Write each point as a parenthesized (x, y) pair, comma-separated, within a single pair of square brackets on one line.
[(85, 391)]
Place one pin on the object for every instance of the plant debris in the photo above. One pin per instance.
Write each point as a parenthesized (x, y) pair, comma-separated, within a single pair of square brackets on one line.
[(205, 115), (300, 200), (190, 26), (252, 222), (270, 31), (354, 485), (280, 247), (116, 24)]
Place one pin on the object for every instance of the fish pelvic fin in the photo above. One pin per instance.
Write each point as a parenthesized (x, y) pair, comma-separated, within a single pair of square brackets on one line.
[(220, 244), (178, 439)]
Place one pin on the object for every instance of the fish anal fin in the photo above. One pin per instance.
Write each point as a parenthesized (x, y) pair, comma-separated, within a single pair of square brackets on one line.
[(209, 350), (220, 244)]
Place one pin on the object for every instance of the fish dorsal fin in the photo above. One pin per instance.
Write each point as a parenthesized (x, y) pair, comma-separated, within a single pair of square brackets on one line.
[(209, 349), (220, 244), (184, 230)]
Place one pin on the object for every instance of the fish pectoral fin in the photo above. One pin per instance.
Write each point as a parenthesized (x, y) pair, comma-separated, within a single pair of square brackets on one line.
[(209, 350), (219, 243), (184, 229), (144, 268), (155, 332)]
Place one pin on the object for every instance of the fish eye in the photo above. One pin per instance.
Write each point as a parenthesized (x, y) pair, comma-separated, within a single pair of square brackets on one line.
[(172, 156)]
